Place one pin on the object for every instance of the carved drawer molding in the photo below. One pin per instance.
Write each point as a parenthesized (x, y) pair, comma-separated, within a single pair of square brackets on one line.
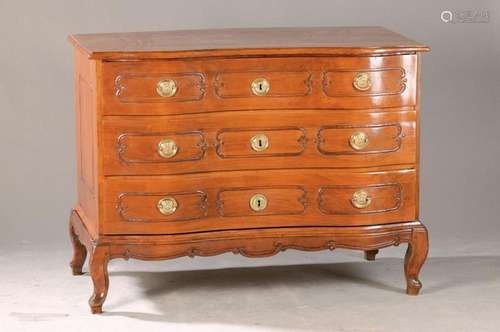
[(337, 200), (384, 138), (281, 83), (192, 146), (384, 82), (282, 200), (142, 87), (283, 142), (142, 207)]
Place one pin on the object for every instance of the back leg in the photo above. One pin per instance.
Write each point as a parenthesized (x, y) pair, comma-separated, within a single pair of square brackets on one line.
[(370, 254), (79, 250)]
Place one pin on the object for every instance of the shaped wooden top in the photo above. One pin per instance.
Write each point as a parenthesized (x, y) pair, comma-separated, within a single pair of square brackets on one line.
[(250, 42)]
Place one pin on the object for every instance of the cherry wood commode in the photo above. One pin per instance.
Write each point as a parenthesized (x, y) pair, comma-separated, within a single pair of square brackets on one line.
[(251, 141)]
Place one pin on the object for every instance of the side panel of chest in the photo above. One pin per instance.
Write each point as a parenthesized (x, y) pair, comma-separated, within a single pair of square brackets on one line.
[(86, 106)]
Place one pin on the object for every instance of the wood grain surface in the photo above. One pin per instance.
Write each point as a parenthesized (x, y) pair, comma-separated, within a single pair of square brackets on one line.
[(257, 41)]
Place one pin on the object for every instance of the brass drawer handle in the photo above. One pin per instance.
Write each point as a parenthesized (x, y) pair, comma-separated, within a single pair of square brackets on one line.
[(166, 88), (361, 199), (362, 82), (167, 205), (259, 142), (359, 140), (167, 148), (258, 202), (260, 86)]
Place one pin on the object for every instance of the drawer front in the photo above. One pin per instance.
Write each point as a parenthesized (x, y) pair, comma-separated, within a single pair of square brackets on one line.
[(162, 147), (214, 85), (169, 206), (156, 87), (360, 139), (257, 199), (364, 82), (353, 200), (262, 83), (258, 140), (262, 201)]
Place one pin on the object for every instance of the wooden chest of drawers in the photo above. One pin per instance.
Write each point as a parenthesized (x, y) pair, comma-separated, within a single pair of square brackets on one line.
[(250, 141)]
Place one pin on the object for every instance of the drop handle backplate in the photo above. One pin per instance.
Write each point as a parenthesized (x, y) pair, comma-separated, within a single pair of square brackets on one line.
[(167, 205), (359, 140), (167, 148), (258, 202), (361, 199), (362, 81), (166, 88), (260, 86)]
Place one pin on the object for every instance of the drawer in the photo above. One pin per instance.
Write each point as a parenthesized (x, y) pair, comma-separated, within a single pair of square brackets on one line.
[(169, 87), (257, 140), (257, 199)]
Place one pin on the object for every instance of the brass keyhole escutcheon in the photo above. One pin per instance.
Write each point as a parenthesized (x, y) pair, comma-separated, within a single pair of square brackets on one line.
[(362, 82), (258, 202), (359, 140), (167, 148), (166, 88), (260, 87), (259, 142), (167, 205), (361, 199)]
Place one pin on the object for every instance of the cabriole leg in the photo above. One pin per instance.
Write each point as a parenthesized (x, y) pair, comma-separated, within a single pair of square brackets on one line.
[(99, 273), (416, 254)]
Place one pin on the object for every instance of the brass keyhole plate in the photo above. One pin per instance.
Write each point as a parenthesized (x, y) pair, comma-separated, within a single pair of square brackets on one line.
[(259, 142), (258, 202), (260, 87)]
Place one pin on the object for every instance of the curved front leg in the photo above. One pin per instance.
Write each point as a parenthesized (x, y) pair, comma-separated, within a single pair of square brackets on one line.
[(418, 246), (79, 250), (99, 273)]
